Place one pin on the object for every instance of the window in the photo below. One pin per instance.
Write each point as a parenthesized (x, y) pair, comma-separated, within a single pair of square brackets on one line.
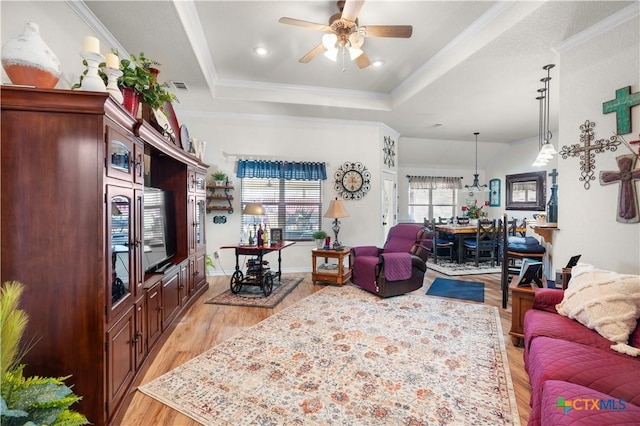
[(432, 203), (433, 196), (293, 205)]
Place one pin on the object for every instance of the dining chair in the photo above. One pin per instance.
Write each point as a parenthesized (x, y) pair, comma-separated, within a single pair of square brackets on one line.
[(462, 220), (441, 245), (516, 248), (483, 247)]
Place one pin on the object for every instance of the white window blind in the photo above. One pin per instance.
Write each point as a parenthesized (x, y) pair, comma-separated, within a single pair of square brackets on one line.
[(293, 205)]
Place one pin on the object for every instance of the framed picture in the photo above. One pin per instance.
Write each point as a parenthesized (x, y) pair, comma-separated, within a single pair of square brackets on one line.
[(494, 193), (526, 191), (276, 235), (530, 271)]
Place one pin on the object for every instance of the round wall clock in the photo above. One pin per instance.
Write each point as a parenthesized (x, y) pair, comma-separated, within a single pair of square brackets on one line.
[(352, 181), (389, 151)]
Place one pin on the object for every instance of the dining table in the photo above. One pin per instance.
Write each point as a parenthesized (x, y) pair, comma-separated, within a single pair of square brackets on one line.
[(460, 232)]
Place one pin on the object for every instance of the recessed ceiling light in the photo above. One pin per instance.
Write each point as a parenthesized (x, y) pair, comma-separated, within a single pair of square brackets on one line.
[(260, 51), (377, 63)]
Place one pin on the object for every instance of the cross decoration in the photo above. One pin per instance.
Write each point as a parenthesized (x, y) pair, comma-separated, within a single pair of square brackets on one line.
[(587, 152), (625, 176), (622, 105)]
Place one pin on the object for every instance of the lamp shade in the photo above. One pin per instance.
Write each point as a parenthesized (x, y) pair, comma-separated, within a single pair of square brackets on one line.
[(254, 209), (336, 209)]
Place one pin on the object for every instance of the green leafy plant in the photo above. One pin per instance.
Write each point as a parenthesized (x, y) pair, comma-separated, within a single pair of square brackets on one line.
[(217, 176), (28, 400), (208, 261), (137, 75), (319, 235)]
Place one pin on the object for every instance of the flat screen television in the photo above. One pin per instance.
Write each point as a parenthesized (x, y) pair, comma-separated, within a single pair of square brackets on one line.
[(159, 230)]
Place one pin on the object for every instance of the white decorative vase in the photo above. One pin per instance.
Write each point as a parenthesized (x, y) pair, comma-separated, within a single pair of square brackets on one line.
[(28, 60), (320, 243)]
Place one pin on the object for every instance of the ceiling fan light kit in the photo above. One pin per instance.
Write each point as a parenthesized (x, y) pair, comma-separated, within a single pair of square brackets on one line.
[(343, 34)]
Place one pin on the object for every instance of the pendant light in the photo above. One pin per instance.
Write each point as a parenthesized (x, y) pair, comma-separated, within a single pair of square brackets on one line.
[(476, 187), (547, 151)]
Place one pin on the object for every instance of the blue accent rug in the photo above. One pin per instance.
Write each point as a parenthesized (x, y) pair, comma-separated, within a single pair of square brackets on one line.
[(457, 289)]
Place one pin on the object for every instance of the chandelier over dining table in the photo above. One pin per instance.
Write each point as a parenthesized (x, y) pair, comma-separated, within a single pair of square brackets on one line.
[(476, 187)]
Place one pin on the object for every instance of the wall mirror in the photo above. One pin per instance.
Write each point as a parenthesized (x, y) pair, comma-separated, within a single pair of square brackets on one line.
[(526, 191)]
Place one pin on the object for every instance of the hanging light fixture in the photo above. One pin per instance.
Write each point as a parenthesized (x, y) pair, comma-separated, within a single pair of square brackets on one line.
[(547, 151), (334, 43), (476, 187)]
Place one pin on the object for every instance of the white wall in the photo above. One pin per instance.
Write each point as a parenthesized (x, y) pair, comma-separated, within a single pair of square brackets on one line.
[(590, 73), (296, 140)]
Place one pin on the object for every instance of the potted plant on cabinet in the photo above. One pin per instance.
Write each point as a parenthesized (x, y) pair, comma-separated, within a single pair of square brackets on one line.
[(139, 81), (319, 236)]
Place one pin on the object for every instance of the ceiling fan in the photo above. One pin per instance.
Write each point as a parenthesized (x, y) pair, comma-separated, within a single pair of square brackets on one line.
[(343, 33)]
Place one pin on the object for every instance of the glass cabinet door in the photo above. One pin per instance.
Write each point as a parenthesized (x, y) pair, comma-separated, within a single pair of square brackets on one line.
[(125, 157), (199, 222), (120, 244)]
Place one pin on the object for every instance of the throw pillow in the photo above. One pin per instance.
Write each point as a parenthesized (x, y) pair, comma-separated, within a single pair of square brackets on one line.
[(604, 301)]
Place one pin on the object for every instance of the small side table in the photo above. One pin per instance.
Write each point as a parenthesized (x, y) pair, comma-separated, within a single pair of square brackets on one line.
[(521, 302), (325, 272)]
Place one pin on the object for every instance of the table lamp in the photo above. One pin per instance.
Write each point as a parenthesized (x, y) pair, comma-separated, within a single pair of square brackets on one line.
[(253, 209), (336, 210)]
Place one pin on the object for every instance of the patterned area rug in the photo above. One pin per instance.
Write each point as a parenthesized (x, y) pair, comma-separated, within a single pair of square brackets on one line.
[(457, 289), (453, 268), (346, 356), (252, 295)]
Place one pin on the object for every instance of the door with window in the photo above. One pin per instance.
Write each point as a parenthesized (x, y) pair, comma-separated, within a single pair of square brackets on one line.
[(389, 202)]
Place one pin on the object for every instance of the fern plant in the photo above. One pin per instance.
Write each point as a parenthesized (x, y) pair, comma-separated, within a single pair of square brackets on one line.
[(28, 400)]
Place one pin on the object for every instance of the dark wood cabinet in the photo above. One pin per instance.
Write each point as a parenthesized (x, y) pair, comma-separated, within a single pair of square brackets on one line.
[(154, 313), (72, 166), (170, 296), (121, 358)]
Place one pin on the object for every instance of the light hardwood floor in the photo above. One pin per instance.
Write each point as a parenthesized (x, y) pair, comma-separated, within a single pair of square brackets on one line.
[(203, 326)]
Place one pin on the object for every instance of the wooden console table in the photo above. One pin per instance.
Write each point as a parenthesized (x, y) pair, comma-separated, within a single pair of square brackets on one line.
[(342, 271), (521, 302)]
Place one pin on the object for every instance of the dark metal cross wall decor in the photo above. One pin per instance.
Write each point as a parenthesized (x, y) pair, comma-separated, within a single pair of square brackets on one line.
[(625, 176), (389, 151), (587, 151)]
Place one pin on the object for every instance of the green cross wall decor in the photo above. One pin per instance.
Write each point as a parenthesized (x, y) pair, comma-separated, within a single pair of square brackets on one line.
[(622, 105)]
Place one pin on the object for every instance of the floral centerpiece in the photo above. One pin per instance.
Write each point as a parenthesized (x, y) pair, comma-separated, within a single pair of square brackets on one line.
[(473, 211)]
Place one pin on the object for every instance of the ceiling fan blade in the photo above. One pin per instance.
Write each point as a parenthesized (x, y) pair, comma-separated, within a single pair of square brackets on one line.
[(313, 53), (351, 9), (362, 61), (400, 31), (305, 24)]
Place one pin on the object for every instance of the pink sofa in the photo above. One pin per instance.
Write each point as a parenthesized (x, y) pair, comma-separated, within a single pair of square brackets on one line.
[(567, 361)]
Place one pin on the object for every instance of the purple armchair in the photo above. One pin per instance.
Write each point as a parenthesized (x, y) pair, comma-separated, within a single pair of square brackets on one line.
[(396, 269)]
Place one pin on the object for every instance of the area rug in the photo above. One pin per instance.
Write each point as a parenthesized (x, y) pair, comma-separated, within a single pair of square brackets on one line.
[(453, 268), (346, 356), (252, 295), (457, 289)]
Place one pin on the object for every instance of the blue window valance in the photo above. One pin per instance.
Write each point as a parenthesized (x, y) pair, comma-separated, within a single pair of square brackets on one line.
[(281, 170)]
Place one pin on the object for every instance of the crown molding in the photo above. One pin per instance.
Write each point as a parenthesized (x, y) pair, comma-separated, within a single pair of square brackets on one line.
[(601, 27)]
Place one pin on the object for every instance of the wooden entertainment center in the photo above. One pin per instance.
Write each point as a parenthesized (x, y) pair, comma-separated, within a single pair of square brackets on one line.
[(74, 166)]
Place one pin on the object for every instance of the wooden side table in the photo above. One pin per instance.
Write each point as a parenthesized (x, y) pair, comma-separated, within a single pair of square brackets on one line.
[(325, 272), (521, 302)]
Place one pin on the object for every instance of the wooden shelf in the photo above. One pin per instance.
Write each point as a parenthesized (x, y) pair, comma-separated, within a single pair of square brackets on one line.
[(545, 231)]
